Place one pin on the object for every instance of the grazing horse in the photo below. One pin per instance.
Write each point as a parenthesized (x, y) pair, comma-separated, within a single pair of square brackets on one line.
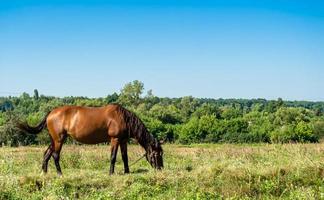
[(93, 125)]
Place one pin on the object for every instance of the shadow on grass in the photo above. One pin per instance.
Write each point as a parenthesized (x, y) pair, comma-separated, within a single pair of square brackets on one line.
[(140, 171)]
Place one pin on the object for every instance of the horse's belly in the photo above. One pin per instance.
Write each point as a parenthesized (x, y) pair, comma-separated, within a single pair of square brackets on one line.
[(93, 137)]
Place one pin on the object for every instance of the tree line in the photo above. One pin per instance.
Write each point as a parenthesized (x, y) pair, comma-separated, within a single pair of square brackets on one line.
[(181, 120)]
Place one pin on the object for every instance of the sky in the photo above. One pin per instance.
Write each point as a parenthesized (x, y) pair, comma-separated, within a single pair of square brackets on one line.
[(210, 49)]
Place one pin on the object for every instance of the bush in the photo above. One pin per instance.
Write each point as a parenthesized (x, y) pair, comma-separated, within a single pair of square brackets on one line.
[(233, 126), (304, 132), (231, 113), (166, 114), (283, 134), (190, 131), (209, 128), (160, 130), (204, 129), (10, 135), (318, 127)]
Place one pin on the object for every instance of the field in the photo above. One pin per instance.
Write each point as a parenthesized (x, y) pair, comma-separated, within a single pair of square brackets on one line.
[(220, 171)]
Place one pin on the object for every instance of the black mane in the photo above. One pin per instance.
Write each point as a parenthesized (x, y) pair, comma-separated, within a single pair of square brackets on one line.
[(136, 128)]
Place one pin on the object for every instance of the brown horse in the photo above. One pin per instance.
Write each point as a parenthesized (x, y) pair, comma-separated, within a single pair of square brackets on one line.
[(93, 125)]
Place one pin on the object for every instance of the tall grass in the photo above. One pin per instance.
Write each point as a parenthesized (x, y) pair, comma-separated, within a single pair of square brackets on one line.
[(220, 171)]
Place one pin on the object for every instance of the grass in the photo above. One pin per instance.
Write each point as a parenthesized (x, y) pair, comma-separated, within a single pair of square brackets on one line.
[(207, 171)]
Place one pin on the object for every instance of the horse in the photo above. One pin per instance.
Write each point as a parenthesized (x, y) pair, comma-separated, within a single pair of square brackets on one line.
[(93, 125)]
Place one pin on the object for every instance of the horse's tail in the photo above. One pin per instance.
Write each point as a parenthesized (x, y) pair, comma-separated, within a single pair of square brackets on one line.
[(33, 130)]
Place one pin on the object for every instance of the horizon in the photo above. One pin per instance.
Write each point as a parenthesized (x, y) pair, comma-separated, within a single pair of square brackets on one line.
[(232, 49)]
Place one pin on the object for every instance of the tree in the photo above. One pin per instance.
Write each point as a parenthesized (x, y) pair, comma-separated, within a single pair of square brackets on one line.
[(304, 132), (271, 106), (285, 116), (204, 129), (280, 102), (231, 113), (11, 135), (36, 94), (282, 134), (167, 114), (188, 105), (6, 106), (207, 109), (319, 129), (112, 98), (25, 95), (209, 128), (130, 94), (259, 126), (190, 131)]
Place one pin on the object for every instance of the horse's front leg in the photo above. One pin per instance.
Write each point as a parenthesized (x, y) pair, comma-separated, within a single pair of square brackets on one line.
[(123, 149), (114, 149)]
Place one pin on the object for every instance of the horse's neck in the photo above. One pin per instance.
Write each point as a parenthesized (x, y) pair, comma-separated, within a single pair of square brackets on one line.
[(145, 139)]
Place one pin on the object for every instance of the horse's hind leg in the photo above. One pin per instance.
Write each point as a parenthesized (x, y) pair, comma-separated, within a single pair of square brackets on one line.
[(56, 154), (47, 156)]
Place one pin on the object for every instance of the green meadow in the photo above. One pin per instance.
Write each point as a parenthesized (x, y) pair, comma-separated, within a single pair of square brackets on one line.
[(202, 171)]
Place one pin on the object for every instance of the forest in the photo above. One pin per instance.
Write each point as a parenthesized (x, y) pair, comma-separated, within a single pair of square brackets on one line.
[(183, 120)]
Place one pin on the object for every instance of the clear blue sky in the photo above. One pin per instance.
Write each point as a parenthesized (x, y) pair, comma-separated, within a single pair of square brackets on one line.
[(218, 49)]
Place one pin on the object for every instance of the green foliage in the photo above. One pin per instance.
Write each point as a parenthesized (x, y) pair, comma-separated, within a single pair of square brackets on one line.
[(201, 129), (182, 120), (304, 132), (167, 114), (285, 116), (230, 113), (130, 94), (2, 119), (207, 109), (155, 126), (9, 133), (318, 128), (36, 96), (259, 126), (187, 106), (301, 132), (209, 128), (112, 98), (190, 131), (283, 134)]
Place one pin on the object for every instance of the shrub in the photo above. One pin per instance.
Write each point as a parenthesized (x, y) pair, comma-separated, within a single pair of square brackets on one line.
[(166, 114), (11, 135), (231, 113), (283, 134), (318, 127), (304, 132), (190, 131), (204, 129)]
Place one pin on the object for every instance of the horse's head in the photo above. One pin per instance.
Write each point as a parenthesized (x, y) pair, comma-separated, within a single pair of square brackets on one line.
[(154, 155)]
